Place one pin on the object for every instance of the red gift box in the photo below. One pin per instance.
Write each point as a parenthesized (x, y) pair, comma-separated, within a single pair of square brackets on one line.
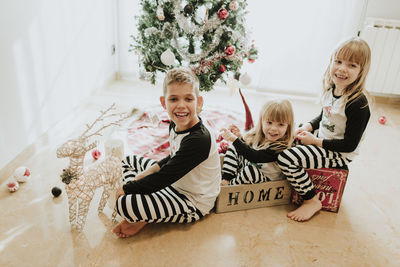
[(329, 185)]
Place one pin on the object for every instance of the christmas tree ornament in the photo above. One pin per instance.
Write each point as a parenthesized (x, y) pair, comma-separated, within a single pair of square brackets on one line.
[(230, 50), (12, 186), (245, 79), (56, 191), (96, 154), (188, 10), (233, 5), (382, 120), (223, 13), (222, 68), (21, 174), (160, 13), (167, 57)]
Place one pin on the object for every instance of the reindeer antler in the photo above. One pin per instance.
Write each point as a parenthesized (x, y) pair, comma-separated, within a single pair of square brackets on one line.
[(102, 116)]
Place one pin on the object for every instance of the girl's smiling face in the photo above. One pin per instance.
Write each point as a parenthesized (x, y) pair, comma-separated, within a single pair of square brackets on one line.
[(343, 73), (274, 130)]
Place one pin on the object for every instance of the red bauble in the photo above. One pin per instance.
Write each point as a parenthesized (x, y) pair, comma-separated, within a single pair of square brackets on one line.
[(96, 154), (230, 50), (223, 13), (222, 68), (251, 60), (382, 119)]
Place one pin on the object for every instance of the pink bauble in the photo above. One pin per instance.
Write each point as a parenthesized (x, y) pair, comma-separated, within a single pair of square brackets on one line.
[(382, 119), (13, 186), (96, 154)]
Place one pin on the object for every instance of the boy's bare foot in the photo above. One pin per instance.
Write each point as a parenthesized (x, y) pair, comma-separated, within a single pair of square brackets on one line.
[(306, 210), (126, 229)]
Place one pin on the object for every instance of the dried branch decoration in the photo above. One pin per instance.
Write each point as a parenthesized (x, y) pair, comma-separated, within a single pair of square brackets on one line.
[(81, 183)]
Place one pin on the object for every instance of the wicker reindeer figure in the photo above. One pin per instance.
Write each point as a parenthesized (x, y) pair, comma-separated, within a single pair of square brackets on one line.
[(81, 183)]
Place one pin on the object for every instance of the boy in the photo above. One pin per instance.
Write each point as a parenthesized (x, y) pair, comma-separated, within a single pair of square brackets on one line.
[(183, 186)]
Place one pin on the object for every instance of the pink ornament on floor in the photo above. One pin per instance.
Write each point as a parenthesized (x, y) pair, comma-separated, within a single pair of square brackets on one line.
[(382, 119), (21, 174), (96, 154), (13, 186)]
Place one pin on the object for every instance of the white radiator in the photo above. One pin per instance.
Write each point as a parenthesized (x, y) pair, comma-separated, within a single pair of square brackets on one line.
[(383, 36)]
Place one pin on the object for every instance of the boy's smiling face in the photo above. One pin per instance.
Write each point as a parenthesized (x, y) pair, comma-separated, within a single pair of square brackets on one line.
[(182, 105)]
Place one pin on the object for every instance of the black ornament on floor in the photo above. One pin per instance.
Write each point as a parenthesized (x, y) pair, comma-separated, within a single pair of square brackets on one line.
[(56, 191)]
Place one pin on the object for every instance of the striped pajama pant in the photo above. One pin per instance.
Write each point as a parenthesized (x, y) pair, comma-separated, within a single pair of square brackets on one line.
[(165, 205), (242, 170), (295, 160)]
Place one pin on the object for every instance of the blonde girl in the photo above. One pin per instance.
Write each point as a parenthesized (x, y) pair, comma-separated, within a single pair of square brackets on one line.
[(252, 159), (341, 124)]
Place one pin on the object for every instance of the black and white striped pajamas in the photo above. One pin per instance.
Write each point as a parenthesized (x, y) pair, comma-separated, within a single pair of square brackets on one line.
[(239, 170), (340, 125), (165, 205), (295, 160), (243, 164)]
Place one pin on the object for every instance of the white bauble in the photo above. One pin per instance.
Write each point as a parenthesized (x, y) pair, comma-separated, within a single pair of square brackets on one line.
[(245, 79), (21, 174), (167, 57)]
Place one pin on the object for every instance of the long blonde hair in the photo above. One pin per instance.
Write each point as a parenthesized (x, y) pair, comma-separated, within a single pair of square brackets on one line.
[(273, 110), (354, 50)]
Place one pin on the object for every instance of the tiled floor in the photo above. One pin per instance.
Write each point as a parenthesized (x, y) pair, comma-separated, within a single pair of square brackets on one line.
[(35, 231)]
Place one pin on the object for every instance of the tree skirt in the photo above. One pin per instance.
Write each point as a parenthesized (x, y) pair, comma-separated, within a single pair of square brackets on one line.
[(147, 134)]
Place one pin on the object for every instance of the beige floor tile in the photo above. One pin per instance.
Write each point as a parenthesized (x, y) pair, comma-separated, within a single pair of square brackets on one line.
[(35, 231)]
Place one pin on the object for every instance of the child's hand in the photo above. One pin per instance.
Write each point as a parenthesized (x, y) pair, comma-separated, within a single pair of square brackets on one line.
[(305, 128), (224, 182), (227, 135), (235, 130), (306, 138)]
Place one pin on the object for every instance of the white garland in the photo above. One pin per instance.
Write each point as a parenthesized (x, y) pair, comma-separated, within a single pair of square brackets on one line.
[(188, 27)]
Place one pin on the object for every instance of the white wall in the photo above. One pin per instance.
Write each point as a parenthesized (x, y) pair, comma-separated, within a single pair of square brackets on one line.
[(128, 61), (387, 9), (53, 54)]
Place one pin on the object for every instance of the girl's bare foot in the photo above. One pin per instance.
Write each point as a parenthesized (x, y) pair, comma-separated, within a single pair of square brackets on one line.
[(126, 229), (306, 210)]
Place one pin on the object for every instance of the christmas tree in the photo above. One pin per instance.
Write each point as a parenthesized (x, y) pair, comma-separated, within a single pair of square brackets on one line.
[(209, 36)]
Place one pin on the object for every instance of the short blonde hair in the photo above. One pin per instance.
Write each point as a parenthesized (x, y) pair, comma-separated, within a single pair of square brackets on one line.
[(279, 110), (181, 75), (355, 50)]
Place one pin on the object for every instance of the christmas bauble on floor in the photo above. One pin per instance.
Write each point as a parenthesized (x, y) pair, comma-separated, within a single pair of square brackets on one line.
[(56, 191), (12, 186), (21, 174)]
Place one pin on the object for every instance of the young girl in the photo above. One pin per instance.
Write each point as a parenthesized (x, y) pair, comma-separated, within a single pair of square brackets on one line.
[(341, 123), (252, 159)]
